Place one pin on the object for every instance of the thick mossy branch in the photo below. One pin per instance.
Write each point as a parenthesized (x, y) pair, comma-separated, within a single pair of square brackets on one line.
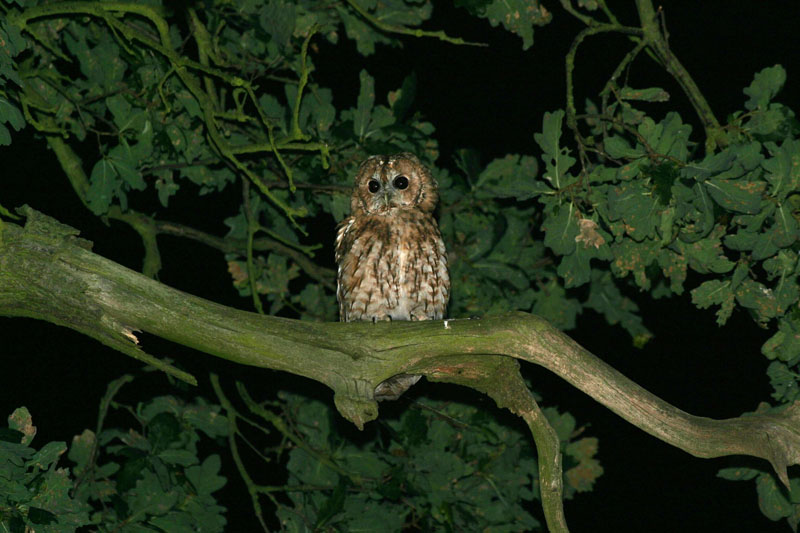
[(47, 272)]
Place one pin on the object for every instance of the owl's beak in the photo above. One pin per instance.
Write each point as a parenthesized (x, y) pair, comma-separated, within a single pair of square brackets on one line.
[(386, 195)]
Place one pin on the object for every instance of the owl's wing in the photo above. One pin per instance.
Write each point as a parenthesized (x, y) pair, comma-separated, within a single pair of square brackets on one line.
[(341, 249), (341, 232)]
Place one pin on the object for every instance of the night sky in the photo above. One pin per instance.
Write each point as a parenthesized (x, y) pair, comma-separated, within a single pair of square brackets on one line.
[(491, 99)]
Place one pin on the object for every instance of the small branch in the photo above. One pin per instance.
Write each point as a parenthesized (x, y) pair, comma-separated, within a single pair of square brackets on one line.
[(550, 465), (146, 227), (570, 62), (323, 275), (233, 430), (656, 41), (651, 152), (90, 471), (252, 228), (586, 19), (572, 122), (281, 145), (612, 80), (297, 134), (609, 14), (280, 424), (331, 189), (204, 50), (391, 28)]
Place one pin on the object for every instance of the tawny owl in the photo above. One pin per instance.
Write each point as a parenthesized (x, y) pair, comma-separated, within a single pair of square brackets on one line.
[(392, 260), (391, 256)]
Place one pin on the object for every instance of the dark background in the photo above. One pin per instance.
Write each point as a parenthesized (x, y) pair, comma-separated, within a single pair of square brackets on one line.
[(491, 99)]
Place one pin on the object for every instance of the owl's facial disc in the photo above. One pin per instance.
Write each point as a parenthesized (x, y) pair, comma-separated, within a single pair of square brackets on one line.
[(387, 183)]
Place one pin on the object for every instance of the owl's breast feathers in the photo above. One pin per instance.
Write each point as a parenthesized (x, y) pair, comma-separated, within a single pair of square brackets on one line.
[(392, 266)]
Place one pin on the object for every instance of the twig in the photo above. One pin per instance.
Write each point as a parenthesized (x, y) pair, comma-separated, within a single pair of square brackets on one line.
[(612, 80), (233, 430), (656, 41), (252, 228), (586, 19), (325, 276), (391, 28), (651, 153), (146, 228), (570, 66)]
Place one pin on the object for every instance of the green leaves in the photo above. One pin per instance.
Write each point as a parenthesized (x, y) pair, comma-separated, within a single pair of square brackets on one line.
[(783, 168), (157, 474), (715, 292), (556, 158), (100, 62), (766, 85), (437, 467), (36, 493), (12, 43), (278, 20), (513, 176), (366, 100), (9, 114), (636, 207), (784, 345), (110, 178), (517, 16), (736, 195), (765, 119), (561, 228), (773, 499)]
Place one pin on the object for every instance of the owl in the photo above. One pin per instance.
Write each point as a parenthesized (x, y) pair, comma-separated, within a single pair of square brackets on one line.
[(392, 260), (391, 257)]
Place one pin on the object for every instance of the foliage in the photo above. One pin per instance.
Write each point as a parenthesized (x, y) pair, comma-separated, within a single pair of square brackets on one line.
[(439, 466), (773, 499), (161, 99), (147, 480)]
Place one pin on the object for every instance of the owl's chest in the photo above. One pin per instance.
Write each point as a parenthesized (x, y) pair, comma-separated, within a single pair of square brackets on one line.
[(392, 253), (391, 267)]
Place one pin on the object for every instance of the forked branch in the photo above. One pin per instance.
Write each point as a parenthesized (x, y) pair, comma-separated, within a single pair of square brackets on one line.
[(46, 272)]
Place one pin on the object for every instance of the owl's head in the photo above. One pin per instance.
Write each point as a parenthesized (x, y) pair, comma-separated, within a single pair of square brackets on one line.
[(400, 181)]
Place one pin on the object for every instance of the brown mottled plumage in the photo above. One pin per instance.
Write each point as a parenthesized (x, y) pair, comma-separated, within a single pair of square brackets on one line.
[(392, 260)]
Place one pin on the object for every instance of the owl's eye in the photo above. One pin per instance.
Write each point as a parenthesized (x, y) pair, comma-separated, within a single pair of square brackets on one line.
[(400, 182), (374, 186)]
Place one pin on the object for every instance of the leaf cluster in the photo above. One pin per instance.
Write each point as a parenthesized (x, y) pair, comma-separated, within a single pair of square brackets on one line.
[(440, 465), (773, 499), (150, 479)]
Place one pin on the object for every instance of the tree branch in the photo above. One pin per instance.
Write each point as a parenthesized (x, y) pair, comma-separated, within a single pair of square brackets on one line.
[(47, 272), (657, 42), (392, 28), (325, 276)]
